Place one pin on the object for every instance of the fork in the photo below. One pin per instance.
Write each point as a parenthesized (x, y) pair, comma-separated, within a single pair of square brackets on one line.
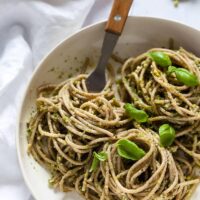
[(114, 27)]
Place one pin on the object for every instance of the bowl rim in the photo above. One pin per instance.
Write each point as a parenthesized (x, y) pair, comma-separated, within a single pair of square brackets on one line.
[(38, 66)]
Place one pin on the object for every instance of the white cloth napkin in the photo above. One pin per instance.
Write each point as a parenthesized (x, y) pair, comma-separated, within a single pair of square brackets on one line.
[(28, 30), (31, 28)]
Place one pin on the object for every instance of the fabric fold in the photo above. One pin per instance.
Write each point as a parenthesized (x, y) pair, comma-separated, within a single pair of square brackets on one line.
[(28, 31)]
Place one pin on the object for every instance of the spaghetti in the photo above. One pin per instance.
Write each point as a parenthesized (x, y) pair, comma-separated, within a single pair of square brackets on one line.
[(71, 124)]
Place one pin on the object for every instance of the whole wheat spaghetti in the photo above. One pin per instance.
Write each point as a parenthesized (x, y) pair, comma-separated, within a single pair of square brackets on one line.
[(71, 124)]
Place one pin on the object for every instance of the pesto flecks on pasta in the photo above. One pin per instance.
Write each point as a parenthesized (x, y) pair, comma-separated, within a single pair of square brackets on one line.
[(138, 139)]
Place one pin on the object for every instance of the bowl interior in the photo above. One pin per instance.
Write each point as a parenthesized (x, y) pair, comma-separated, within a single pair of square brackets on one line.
[(65, 60)]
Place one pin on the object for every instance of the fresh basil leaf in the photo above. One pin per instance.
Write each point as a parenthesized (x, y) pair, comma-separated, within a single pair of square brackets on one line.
[(167, 135), (102, 156), (184, 76), (138, 115), (171, 69), (129, 150), (160, 58)]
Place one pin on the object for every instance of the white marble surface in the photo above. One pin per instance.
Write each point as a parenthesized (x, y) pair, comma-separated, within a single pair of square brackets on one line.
[(187, 12)]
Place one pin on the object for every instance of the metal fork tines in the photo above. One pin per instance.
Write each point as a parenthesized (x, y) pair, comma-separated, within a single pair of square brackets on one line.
[(97, 79)]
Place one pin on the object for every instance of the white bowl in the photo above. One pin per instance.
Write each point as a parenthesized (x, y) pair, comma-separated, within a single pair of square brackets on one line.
[(140, 34)]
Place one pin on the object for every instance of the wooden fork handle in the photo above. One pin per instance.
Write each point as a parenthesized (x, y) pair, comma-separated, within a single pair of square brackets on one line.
[(118, 16)]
